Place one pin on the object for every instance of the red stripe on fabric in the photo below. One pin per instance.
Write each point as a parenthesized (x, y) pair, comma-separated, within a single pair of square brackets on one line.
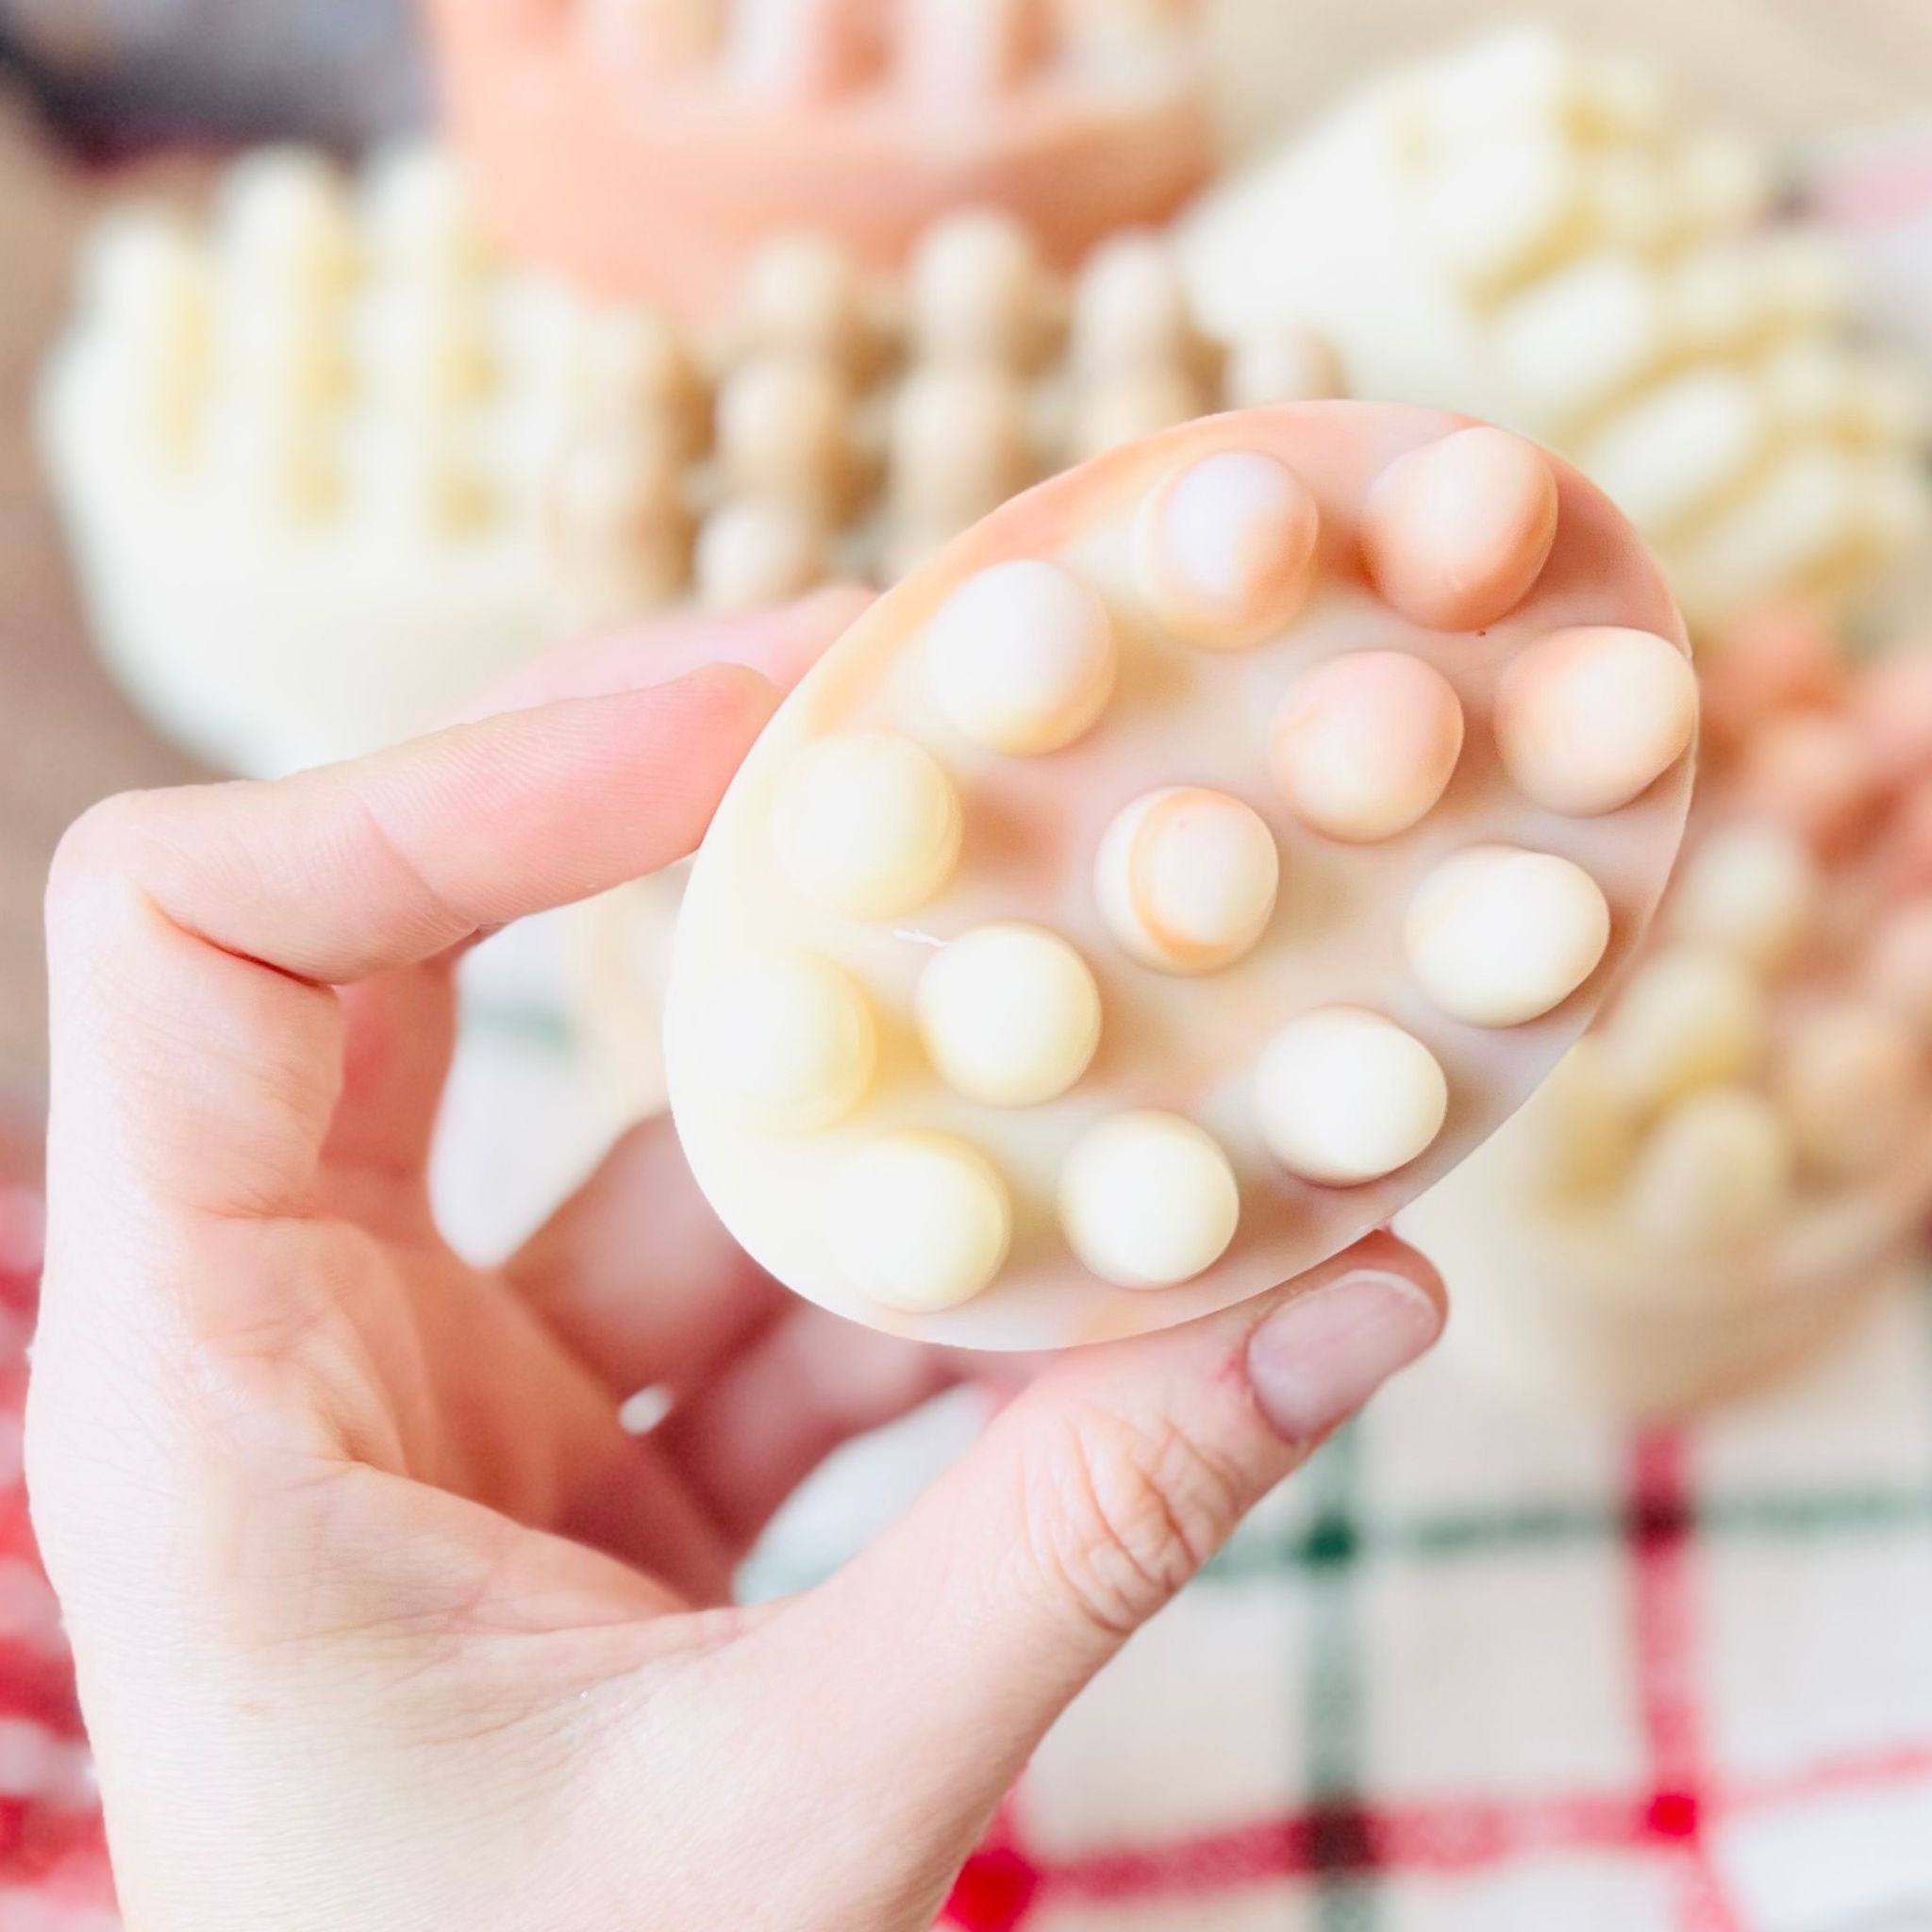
[(1451, 1837), (1004, 1885), (1446, 1838), (1664, 1634), (998, 1884), (1833, 1778), (1430, 1838), (1665, 1643)]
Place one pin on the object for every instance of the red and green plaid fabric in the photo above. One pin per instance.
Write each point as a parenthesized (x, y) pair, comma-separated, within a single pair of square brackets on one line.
[(52, 1861), (1476, 1671), (1494, 1670)]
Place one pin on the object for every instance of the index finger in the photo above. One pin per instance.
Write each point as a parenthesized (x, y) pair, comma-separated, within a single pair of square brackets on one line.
[(195, 935), (781, 643)]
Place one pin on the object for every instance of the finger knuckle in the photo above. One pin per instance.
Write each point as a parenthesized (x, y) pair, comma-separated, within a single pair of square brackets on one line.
[(1124, 1513), (99, 844)]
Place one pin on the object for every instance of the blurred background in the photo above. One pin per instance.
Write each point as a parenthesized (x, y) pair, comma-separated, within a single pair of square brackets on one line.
[(1619, 1619), (107, 99)]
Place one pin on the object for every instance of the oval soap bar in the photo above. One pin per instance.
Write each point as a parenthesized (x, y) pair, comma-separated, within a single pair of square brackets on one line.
[(1157, 904)]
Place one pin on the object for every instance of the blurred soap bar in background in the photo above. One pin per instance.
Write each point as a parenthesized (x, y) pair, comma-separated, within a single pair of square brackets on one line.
[(115, 72)]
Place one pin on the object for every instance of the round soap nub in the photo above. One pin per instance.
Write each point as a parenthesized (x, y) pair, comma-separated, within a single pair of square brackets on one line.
[(868, 824), (285, 221), (1130, 308), (1589, 719), (1365, 747), (784, 429), (417, 214), (1751, 888), (1225, 549), (1009, 1015), (1497, 936), (758, 552), (790, 1040), (1849, 1086), (1456, 533), (1186, 879), (803, 292), (1283, 365), (1022, 657), (1133, 403), (1343, 1096), (1148, 1200), (977, 288), (1717, 1170), (1690, 1017), (920, 1221)]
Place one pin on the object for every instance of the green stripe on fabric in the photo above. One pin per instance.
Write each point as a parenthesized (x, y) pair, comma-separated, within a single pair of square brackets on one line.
[(525, 1022), (1332, 1541), (1808, 1516), (1258, 1556), (1330, 1550)]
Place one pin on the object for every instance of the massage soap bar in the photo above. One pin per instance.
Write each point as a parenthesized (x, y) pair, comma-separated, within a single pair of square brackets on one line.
[(1178, 873), (1536, 233), (646, 149), (1740, 1152)]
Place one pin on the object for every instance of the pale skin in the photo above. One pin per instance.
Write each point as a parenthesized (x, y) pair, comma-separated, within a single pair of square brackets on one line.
[(383, 1624)]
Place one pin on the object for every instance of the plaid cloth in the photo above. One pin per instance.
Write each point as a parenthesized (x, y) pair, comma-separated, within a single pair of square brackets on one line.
[(1475, 1671), (53, 1862)]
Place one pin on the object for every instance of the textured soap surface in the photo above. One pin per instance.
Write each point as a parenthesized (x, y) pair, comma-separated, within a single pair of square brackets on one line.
[(1740, 1152), (1539, 233), (1020, 1001)]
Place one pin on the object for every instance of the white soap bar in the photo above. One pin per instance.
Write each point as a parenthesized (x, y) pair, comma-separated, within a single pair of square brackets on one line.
[(1506, 230), (1165, 996), (301, 455), (1740, 1152)]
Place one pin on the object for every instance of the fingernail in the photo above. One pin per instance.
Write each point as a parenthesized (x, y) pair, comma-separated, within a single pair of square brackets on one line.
[(1314, 1362)]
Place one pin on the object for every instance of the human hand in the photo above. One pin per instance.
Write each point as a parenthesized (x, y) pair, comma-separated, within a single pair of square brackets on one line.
[(383, 1624)]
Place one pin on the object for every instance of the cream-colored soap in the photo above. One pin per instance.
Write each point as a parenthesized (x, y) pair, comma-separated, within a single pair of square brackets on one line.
[(1690, 1017), (1365, 747), (1130, 310), (1200, 921), (791, 1039), (1345, 1096), (1009, 1015), (959, 444), (1022, 657), (785, 430), (1619, 287), (1186, 879), (802, 293), (1458, 530), (1718, 1171), (1148, 1201), (757, 551), (868, 824), (1228, 549), (1591, 717), (1753, 888), (1498, 936), (918, 1222), (979, 290), (1850, 1082)]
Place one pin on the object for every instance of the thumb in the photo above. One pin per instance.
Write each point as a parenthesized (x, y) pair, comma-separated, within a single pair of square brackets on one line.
[(951, 1646)]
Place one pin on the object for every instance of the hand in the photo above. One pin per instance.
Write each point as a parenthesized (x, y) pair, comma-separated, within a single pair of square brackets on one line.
[(383, 1624)]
